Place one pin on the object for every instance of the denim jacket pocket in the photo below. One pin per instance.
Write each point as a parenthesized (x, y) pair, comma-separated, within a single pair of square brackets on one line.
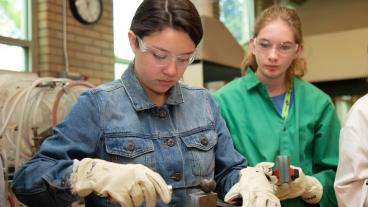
[(130, 150), (201, 152)]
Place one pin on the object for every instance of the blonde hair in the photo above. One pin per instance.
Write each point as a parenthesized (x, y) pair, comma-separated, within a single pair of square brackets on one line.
[(290, 16)]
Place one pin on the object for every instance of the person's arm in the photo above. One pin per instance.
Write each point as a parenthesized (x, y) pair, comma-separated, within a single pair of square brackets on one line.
[(228, 162), (352, 172), (44, 180), (325, 151)]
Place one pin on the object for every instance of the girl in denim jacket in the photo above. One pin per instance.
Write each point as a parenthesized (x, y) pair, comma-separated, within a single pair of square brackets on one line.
[(124, 142)]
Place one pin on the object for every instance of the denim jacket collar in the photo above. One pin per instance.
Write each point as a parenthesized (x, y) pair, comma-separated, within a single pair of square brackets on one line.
[(140, 101)]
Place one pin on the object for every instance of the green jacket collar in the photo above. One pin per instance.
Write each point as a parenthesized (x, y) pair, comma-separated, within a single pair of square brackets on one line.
[(250, 80)]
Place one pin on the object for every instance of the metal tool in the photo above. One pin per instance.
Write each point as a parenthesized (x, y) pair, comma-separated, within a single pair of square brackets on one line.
[(284, 172), (201, 199), (207, 198)]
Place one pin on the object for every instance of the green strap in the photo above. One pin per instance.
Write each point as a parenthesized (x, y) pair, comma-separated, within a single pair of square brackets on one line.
[(286, 105)]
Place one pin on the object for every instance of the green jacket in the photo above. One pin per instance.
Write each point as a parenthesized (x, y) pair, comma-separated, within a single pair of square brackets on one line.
[(309, 135)]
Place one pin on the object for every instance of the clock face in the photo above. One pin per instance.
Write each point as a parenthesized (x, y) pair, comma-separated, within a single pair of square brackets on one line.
[(86, 11)]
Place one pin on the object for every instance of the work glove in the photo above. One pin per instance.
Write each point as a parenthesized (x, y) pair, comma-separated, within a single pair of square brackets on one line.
[(266, 167), (127, 184), (254, 189), (308, 187)]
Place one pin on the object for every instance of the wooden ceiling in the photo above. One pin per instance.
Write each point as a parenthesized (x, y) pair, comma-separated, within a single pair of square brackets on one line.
[(325, 16), (260, 5)]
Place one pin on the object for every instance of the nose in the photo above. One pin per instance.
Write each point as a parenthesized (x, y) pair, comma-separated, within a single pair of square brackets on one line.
[(170, 69), (273, 54)]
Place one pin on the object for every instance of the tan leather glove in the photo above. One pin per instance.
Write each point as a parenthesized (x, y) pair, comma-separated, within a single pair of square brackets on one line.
[(127, 184), (254, 189), (308, 187), (266, 167)]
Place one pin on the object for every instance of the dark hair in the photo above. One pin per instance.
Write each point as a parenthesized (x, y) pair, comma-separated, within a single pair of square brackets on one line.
[(155, 15), (290, 16)]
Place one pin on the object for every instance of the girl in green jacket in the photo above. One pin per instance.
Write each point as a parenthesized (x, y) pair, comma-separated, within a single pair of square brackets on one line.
[(271, 111)]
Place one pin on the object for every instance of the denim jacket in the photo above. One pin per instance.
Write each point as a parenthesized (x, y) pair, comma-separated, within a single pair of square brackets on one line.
[(185, 140)]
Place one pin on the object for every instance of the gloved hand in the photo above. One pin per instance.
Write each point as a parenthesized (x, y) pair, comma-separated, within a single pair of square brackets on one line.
[(127, 184), (308, 187), (254, 189)]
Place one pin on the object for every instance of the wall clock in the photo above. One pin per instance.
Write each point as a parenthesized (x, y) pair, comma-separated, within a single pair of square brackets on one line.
[(86, 11)]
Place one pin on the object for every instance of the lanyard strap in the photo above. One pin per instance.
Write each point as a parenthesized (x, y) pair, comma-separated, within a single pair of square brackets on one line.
[(286, 105)]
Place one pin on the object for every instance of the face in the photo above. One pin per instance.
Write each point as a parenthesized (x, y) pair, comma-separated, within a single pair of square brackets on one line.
[(161, 59), (274, 49)]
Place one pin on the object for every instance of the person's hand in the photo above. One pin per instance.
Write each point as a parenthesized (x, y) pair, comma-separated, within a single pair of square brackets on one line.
[(254, 189), (127, 184), (308, 187)]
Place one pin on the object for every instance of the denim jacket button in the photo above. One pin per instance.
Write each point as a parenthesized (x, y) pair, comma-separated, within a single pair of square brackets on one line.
[(130, 146), (63, 183), (204, 140), (162, 114), (171, 142)]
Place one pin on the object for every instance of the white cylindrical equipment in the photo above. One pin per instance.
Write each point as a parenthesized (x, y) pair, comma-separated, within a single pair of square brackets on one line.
[(30, 106)]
